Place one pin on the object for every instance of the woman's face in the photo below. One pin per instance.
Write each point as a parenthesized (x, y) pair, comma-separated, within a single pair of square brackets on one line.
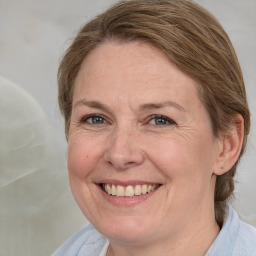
[(141, 153)]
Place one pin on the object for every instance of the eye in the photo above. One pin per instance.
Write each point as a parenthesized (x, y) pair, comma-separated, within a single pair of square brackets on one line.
[(160, 120), (93, 119)]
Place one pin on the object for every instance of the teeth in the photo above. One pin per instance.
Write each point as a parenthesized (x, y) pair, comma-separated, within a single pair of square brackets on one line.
[(128, 191), (119, 191), (113, 191), (137, 190), (108, 189), (144, 189)]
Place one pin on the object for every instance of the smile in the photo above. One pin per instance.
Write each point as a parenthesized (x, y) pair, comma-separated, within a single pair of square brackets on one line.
[(130, 190)]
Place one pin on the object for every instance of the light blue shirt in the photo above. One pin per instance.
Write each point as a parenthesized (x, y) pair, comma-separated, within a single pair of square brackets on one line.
[(236, 238)]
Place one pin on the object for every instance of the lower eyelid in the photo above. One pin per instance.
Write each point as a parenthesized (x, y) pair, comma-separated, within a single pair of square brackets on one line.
[(86, 118), (165, 118)]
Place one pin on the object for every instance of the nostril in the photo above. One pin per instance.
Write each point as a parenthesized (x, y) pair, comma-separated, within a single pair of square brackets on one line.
[(130, 163)]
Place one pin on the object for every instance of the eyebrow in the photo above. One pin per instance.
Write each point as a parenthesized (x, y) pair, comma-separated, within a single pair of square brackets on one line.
[(149, 106), (143, 107), (92, 104)]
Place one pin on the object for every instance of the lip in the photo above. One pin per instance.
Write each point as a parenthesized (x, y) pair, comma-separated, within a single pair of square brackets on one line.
[(127, 183), (126, 201)]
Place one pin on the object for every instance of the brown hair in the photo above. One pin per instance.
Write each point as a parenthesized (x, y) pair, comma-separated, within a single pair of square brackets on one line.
[(192, 39)]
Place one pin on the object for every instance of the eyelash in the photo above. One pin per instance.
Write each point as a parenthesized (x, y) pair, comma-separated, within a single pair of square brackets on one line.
[(86, 118), (165, 119)]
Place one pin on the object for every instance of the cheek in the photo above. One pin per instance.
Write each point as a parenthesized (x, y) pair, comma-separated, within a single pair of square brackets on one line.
[(168, 153), (80, 160), (182, 160)]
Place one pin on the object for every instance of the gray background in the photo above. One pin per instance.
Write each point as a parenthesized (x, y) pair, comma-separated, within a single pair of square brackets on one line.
[(33, 37)]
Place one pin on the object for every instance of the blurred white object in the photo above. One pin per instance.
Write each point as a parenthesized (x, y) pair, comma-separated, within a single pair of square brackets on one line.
[(37, 211), (245, 190)]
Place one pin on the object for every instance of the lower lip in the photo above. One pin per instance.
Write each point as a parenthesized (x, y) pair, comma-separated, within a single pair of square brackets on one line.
[(125, 200)]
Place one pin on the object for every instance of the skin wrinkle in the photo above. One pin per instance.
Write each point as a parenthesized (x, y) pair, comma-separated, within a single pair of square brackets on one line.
[(98, 105), (144, 109), (162, 154), (182, 127), (118, 59)]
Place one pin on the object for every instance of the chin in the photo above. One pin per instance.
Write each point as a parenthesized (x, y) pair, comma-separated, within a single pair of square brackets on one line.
[(128, 230)]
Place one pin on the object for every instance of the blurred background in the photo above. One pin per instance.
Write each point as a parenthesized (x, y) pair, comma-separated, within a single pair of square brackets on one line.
[(37, 211)]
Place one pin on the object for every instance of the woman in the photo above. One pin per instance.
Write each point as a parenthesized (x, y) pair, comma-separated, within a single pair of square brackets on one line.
[(156, 120)]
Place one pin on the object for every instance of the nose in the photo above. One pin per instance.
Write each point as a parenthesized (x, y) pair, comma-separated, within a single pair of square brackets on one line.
[(123, 151)]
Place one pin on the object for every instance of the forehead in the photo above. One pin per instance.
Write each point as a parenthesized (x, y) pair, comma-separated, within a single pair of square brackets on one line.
[(134, 69)]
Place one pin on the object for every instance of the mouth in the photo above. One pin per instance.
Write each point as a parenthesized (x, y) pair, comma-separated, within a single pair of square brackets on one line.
[(129, 190)]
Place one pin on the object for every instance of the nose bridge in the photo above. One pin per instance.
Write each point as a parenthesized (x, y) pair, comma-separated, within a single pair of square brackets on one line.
[(123, 150)]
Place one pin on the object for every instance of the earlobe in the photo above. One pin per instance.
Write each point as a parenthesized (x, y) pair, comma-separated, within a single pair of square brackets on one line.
[(231, 144)]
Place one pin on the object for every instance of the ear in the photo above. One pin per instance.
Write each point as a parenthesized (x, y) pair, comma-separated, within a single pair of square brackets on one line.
[(230, 146)]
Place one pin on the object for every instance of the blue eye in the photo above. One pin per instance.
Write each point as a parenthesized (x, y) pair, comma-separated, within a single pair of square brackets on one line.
[(160, 120), (93, 119)]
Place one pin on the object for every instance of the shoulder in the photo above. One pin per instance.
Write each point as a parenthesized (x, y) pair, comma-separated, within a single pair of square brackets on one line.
[(246, 240), (87, 242), (236, 238)]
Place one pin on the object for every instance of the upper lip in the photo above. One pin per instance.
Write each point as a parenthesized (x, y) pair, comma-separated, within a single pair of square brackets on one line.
[(127, 182)]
